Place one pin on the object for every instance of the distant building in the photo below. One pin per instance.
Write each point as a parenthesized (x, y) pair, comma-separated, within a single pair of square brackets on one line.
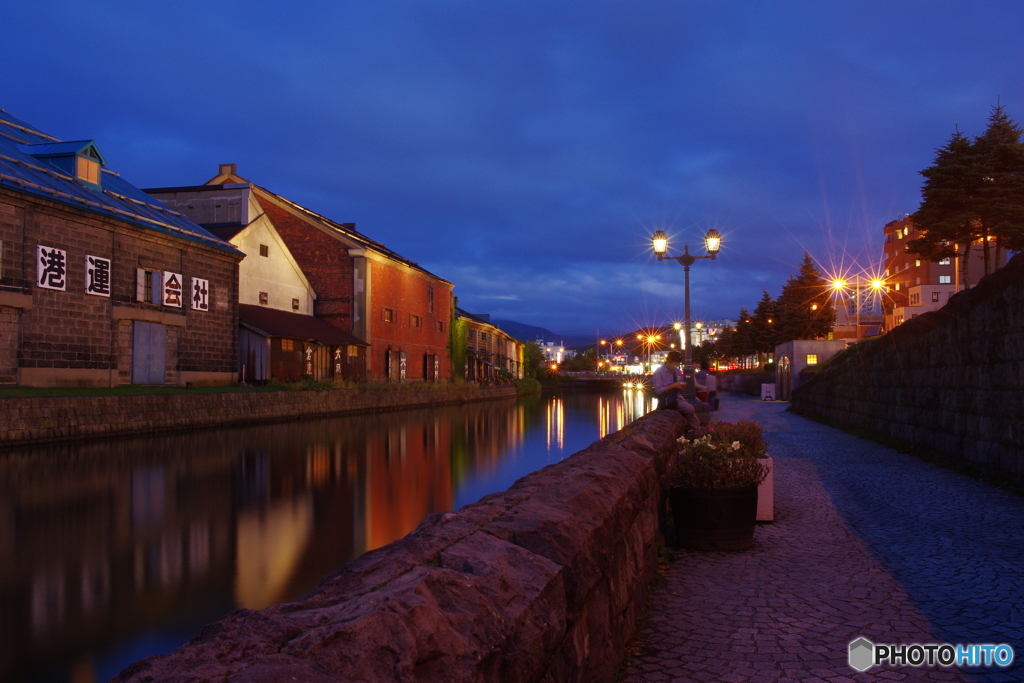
[(490, 350), (398, 309), (555, 353), (793, 357), (915, 286), (100, 284)]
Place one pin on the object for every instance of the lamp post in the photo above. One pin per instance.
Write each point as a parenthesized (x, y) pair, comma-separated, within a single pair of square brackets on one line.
[(712, 243)]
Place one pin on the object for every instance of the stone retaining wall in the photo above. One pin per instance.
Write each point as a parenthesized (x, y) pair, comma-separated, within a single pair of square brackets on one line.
[(543, 582), (41, 420), (951, 380)]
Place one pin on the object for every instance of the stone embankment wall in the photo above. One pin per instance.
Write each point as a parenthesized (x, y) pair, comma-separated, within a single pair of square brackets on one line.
[(951, 380), (41, 420), (543, 582)]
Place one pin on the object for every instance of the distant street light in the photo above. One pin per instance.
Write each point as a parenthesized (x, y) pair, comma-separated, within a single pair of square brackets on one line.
[(712, 244)]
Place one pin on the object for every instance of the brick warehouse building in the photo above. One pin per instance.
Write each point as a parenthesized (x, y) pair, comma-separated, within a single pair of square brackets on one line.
[(99, 284), (398, 308)]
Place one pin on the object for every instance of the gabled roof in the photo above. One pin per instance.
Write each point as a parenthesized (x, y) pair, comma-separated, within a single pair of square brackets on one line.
[(271, 322), (338, 230), (28, 173), (341, 231)]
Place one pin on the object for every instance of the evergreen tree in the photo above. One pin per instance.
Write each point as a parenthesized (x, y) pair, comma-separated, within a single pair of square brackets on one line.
[(948, 215), (743, 339), (765, 325), (725, 346), (805, 308), (1001, 194)]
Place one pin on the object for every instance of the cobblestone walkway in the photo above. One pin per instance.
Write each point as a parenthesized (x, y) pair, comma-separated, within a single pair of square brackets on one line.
[(866, 542)]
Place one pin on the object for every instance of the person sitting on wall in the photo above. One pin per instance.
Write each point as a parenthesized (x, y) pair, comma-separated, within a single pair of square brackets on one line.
[(705, 377), (668, 386)]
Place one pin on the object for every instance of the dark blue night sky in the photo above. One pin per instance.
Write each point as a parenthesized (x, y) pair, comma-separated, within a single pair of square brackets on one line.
[(526, 150)]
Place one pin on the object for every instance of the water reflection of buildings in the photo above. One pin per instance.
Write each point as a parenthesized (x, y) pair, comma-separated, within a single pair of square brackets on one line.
[(101, 542)]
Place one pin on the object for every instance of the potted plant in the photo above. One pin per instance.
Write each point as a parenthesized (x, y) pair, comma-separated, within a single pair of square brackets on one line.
[(751, 436), (713, 485)]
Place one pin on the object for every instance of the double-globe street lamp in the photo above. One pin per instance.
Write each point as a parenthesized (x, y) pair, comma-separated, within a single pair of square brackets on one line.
[(712, 243), (839, 285)]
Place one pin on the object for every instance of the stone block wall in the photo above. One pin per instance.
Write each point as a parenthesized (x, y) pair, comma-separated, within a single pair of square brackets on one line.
[(42, 420), (543, 582), (71, 338), (951, 380)]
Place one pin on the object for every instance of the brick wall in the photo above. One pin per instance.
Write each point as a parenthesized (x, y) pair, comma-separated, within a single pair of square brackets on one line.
[(330, 269), (323, 259), (950, 380), (37, 420), (405, 291)]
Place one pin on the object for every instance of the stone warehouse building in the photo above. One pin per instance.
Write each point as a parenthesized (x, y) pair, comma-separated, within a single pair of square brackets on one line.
[(397, 308), (490, 351), (100, 285)]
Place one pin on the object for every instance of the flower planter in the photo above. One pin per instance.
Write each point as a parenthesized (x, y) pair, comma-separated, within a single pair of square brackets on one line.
[(714, 519), (766, 494)]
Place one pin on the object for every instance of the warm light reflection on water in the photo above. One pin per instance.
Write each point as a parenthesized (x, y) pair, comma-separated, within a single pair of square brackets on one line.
[(556, 425), (112, 551)]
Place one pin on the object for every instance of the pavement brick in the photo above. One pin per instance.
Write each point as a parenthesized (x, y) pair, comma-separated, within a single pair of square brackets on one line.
[(866, 542)]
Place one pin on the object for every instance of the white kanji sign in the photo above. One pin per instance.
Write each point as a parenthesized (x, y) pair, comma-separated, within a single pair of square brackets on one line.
[(200, 294), (172, 289), (97, 276), (51, 267)]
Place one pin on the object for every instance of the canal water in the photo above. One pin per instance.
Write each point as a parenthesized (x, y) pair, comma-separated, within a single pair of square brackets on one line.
[(111, 551)]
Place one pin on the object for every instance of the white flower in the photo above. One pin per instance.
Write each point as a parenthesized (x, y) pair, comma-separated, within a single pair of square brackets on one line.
[(735, 445)]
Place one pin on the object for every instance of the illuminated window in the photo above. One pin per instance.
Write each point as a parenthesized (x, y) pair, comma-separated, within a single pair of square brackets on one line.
[(287, 344), (353, 351), (897, 287), (944, 279), (264, 250), (917, 262), (812, 359), (935, 297), (389, 315), (906, 231), (264, 298), (88, 170), (944, 261)]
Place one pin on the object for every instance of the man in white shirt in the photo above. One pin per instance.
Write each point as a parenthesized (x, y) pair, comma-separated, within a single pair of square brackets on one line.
[(669, 385)]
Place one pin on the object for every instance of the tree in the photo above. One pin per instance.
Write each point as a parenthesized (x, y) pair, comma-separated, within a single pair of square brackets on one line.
[(948, 215), (1001, 193), (974, 191), (533, 359), (581, 362), (743, 337), (805, 308), (764, 325), (725, 346)]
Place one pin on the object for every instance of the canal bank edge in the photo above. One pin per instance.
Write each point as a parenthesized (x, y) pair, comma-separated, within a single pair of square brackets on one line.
[(543, 582), (29, 421)]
